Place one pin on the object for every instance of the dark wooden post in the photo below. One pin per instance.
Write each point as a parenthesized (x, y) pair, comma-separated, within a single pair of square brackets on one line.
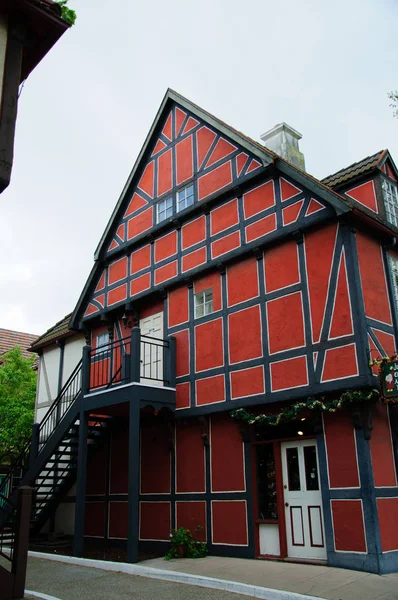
[(135, 354), (86, 369), (170, 363), (133, 481), (34, 446), (20, 558), (80, 507)]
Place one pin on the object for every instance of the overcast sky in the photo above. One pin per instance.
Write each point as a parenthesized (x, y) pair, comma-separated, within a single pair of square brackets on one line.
[(324, 68)]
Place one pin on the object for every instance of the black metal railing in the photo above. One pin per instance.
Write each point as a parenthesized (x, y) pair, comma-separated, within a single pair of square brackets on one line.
[(109, 364), (7, 533), (152, 358)]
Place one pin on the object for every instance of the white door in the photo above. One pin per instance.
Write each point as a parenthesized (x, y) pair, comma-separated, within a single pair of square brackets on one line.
[(303, 502), (152, 352)]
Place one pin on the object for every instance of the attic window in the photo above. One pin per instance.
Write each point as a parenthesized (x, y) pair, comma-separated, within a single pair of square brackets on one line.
[(390, 195), (185, 198), (164, 210)]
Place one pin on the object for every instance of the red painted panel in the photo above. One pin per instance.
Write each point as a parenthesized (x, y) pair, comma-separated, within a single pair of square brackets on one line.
[(209, 345), (240, 162), (140, 259), (166, 272), (387, 509), (288, 190), (204, 139), (213, 281), (155, 521), (117, 270), (190, 124), (117, 295), (158, 147), (165, 246), (91, 309), (248, 382), (349, 534), (155, 458), (387, 342), (339, 363), (313, 207), (222, 149), (210, 390), (281, 313), (167, 129), (290, 373), (374, 285), (165, 178), (342, 317), (242, 281), (113, 245), (364, 194), (192, 515), (258, 199), (140, 223), (135, 204), (118, 520), (341, 450), (390, 172), (381, 449), (120, 231), (179, 119), (193, 232), (140, 284), (215, 180), (245, 334), (260, 228), (178, 306), (253, 166), (225, 244), (119, 461), (146, 182), (182, 353), (152, 308), (227, 468), (94, 520), (194, 259), (190, 457), (319, 250), (183, 395), (184, 160), (291, 213), (281, 266), (224, 216), (224, 514), (100, 299), (96, 473), (374, 353), (101, 283)]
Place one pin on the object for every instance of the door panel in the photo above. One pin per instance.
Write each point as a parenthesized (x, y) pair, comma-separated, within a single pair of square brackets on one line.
[(151, 354), (303, 501)]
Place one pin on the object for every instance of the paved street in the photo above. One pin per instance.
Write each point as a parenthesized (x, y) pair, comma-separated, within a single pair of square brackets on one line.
[(69, 582)]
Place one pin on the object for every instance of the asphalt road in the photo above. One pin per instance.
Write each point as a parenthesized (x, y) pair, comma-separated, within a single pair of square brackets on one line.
[(69, 582)]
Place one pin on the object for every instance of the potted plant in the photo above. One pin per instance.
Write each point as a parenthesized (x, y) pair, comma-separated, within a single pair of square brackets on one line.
[(184, 545)]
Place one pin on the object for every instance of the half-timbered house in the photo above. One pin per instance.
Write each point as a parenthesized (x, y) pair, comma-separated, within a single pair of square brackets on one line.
[(226, 278)]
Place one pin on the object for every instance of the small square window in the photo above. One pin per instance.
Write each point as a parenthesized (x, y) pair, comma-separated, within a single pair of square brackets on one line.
[(185, 198), (102, 343), (203, 303), (164, 210), (390, 195)]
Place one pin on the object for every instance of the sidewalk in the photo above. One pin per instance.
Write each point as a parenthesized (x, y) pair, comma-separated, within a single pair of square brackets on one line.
[(309, 580)]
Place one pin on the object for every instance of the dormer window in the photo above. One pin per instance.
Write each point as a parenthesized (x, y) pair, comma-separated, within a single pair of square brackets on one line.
[(185, 198), (164, 210), (390, 195)]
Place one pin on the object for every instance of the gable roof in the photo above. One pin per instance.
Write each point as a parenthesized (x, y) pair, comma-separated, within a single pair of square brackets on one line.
[(59, 330), (9, 339), (358, 168)]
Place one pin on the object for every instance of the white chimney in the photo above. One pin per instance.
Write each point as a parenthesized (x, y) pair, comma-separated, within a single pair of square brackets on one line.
[(283, 140)]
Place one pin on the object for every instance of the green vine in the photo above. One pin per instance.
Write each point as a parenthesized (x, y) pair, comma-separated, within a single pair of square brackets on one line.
[(321, 404), (68, 14)]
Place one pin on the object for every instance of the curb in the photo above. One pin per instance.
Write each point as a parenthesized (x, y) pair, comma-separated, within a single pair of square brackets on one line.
[(174, 576), (40, 595)]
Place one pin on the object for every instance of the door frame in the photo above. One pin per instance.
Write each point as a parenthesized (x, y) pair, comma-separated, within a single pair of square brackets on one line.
[(280, 502)]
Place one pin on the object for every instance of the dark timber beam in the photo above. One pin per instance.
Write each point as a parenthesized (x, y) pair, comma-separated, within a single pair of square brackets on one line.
[(78, 539), (133, 482)]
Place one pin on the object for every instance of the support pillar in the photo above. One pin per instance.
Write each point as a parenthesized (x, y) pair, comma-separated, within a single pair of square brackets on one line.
[(133, 482), (78, 539)]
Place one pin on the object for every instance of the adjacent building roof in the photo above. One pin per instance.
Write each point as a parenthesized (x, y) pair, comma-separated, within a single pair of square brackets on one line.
[(9, 339), (366, 164), (57, 331)]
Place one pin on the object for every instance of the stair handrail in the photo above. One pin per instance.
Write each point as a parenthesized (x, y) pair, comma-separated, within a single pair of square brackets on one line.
[(55, 409)]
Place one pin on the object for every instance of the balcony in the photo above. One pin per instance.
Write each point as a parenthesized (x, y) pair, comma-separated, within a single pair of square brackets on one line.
[(135, 366)]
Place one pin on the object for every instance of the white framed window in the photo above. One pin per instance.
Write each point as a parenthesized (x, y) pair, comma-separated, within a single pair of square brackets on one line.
[(390, 195), (203, 303), (164, 209), (185, 198), (394, 278), (102, 343)]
